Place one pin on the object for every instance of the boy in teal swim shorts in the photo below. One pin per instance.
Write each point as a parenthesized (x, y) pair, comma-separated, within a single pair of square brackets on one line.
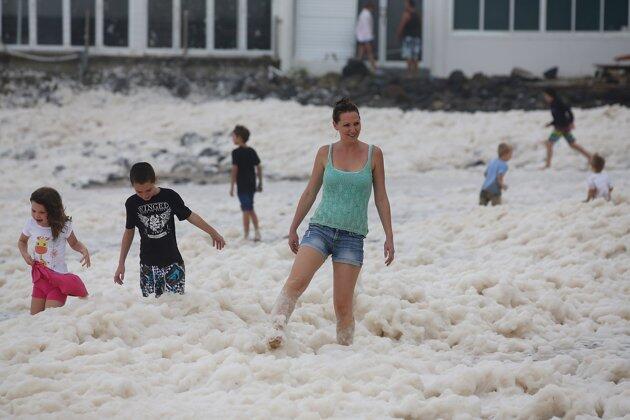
[(562, 125)]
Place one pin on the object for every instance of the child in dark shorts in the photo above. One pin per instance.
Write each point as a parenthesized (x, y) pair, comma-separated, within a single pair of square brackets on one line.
[(495, 172), (152, 210), (563, 123), (245, 168)]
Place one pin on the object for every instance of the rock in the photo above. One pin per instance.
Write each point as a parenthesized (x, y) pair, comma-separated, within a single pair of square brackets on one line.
[(397, 93), (519, 73), (28, 154), (550, 74), (190, 138), (457, 78), (119, 84), (209, 151), (182, 89), (355, 68)]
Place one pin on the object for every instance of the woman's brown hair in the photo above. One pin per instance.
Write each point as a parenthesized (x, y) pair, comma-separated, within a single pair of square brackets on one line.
[(51, 200)]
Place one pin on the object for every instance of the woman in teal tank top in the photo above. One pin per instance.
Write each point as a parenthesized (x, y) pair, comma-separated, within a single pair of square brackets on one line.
[(347, 170)]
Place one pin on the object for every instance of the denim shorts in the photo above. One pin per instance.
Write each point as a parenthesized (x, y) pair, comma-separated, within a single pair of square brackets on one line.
[(345, 247), (247, 201)]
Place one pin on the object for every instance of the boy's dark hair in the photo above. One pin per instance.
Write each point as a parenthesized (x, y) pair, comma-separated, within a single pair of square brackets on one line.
[(551, 92), (51, 200), (369, 5), (141, 173), (342, 106), (598, 163), (242, 132), (503, 149)]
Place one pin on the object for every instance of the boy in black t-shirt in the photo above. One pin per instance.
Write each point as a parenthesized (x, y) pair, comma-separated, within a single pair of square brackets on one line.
[(244, 160), (152, 210), (562, 125)]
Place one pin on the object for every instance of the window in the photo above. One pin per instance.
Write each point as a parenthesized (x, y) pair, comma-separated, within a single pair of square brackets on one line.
[(466, 14), (497, 15), (526, 15), (116, 23), (225, 24), (587, 15), (615, 14), (258, 24), (160, 30), (80, 9), (193, 14), (559, 15), (15, 21), (49, 22)]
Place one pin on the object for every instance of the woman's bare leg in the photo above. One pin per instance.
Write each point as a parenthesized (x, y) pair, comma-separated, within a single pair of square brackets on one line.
[(305, 265), (345, 279)]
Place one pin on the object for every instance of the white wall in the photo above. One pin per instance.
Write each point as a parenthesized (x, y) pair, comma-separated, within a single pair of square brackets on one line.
[(324, 34), (573, 53)]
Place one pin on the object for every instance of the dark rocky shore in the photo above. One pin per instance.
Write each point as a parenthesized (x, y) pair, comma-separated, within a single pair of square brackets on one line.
[(24, 84)]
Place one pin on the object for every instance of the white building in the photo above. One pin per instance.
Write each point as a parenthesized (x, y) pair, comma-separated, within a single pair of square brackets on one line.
[(491, 36)]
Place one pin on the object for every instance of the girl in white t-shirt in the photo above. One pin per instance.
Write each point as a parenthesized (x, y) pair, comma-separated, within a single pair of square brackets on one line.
[(599, 185), (50, 229)]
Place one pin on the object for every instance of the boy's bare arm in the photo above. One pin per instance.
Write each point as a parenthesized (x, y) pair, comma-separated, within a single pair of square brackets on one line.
[(260, 178), (591, 195), (233, 174), (217, 240), (125, 245), (23, 247)]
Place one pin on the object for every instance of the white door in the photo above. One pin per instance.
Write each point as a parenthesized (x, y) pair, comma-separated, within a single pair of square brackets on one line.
[(325, 31)]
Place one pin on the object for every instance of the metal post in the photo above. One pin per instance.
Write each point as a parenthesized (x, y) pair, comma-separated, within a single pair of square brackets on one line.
[(19, 22), (185, 33), (83, 64)]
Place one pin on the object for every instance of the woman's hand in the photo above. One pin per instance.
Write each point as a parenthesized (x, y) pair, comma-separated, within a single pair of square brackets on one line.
[(388, 248), (85, 261), (294, 241)]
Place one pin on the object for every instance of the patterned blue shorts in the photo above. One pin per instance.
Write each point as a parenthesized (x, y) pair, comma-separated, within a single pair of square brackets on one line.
[(345, 247), (154, 279), (411, 48)]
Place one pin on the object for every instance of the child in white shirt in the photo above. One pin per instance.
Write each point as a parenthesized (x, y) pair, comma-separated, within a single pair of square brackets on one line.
[(599, 185)]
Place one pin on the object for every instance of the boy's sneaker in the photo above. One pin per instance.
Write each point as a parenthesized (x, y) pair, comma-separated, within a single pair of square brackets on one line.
[(257, 236)]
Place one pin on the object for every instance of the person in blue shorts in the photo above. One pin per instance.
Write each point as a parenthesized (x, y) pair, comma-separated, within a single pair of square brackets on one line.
[(245, 168), (562, 125), (495, 173)]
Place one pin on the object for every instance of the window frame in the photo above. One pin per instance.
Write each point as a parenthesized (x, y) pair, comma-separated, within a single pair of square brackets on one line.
[(542, 21)]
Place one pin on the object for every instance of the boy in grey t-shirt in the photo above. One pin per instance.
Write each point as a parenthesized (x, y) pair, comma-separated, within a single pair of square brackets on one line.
[(495, 172)]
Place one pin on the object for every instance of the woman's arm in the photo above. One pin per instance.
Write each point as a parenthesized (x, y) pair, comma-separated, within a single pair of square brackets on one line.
[(382, 203), (308, 196), (23, 247), (80, 248)]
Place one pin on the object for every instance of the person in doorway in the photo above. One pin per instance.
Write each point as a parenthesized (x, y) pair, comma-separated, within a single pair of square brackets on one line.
[(347, 170), (365, 34), (410, 32)]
